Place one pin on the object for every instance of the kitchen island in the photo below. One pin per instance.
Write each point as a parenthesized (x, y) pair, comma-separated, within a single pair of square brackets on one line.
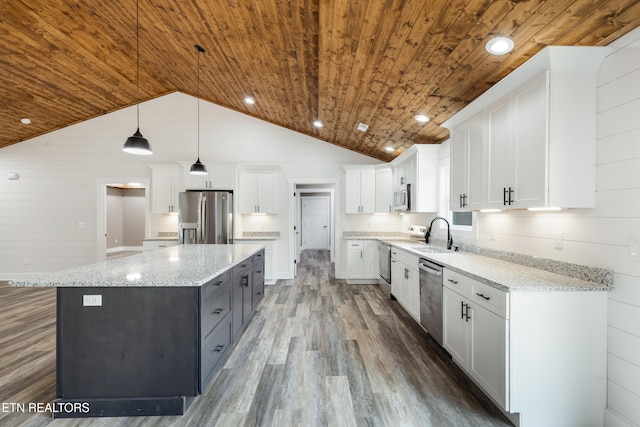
[(143, 335)]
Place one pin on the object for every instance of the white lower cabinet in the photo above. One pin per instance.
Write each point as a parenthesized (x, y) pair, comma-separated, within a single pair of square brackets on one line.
[(405, 281), (540, 355), (476, 339), (362, 261)]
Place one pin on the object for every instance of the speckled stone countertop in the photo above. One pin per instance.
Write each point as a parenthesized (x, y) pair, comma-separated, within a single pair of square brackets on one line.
[(500, 274), (183, 265), (259, 235)]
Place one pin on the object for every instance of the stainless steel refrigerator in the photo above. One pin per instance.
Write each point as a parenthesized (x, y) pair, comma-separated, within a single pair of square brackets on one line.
[(206, 217)]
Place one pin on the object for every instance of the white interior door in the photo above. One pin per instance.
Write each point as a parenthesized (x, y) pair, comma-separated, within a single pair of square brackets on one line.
[(315, 222)]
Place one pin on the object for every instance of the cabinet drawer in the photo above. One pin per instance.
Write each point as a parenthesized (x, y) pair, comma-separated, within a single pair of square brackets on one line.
[(215, 303), (214, 348), (406, 258), (355, 244), (457, 282), (491, 298)]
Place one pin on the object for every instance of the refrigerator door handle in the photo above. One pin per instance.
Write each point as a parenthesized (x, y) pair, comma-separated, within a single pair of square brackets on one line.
[(203, 218)]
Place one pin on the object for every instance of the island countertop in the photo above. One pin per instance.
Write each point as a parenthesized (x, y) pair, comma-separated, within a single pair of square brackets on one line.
[(183, 265)]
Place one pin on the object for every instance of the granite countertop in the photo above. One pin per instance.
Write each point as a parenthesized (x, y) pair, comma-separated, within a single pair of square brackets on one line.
[(504, 275), (183, 265), (259, 236)]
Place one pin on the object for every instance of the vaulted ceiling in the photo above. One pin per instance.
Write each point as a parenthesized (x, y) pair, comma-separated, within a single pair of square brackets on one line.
[(344, 62)]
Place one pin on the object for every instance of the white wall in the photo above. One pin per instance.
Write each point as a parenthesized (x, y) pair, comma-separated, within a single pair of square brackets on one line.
[(599, 237), (48, 217)]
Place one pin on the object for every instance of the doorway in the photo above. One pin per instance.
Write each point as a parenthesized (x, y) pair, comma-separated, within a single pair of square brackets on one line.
[(313, 212), (122, 216)]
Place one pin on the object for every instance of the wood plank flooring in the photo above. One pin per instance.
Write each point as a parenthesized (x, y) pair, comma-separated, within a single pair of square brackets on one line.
[(318, 352)]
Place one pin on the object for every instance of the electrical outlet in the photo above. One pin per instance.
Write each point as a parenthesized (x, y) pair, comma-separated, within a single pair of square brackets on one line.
[(557, 240), (92, 300), (634, 246)]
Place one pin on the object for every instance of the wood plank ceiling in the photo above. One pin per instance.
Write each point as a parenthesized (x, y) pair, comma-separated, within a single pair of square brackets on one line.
[(343, 62)]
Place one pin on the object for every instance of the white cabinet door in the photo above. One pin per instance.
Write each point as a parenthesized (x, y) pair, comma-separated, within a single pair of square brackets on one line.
[(384, 191), (498, 151), (458, 167), (529, 151), (360, 191), (412, 293), (397, 278), (370, 257), (166, 183), (487, 352), (256, 192), (355, 259), (475, 163), (454, 325), (352, 191)]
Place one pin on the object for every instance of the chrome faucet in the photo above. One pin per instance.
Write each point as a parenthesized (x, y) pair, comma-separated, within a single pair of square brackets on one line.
[(449, 237)]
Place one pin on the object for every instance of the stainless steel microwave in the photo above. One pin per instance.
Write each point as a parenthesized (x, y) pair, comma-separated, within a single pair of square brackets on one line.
[(402, 198)]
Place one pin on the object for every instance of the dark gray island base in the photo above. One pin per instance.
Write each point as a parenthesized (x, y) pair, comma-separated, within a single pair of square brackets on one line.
[(136, 350)]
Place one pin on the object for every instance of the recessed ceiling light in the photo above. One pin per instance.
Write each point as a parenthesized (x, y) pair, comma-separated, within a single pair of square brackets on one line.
[(422, 118), (389, 149), (317, 123), (249, 100), (499, 45), (25, 121), (362, 127)]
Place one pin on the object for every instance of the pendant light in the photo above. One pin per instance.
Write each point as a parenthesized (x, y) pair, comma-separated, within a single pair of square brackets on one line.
[(198, 168), (137, 144)]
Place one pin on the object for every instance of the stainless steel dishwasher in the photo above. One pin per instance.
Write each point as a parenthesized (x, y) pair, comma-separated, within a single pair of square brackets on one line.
[(431, 298)]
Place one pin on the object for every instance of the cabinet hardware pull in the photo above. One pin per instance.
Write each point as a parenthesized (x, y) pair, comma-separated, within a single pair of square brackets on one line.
[(467, 313), (218, 283), (510, 192), (464, 200), (219, 348), (461, 200), (482, 296), (217, 311), (259, 293), (504, 196), (455, 282), (462, 309), (245, 280)]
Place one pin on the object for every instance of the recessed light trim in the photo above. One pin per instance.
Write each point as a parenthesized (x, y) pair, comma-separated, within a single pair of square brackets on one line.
[(362, 127), (389, 149), (317, 123), (250, 100), (499, 45), (25, 121), (422, 118)]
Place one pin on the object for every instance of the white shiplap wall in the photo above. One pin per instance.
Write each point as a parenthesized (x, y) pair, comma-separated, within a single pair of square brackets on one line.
[(599, 237), (48, 217)]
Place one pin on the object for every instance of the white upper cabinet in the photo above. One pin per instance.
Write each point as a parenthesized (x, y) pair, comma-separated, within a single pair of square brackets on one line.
[(539, 135), (256, 191), (384, 191), (467, 165), (360, 190), (418, 166), (220, 177), (166, 183)]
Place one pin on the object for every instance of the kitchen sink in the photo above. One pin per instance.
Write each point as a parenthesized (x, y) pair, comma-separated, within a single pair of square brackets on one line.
[(430, 249)]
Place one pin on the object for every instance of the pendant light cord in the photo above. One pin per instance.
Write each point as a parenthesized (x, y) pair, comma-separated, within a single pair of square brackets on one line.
[(199, 49), (137, 65)]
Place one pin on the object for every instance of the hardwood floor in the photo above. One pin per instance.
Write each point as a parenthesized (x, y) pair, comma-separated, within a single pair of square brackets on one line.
[(317, 353)]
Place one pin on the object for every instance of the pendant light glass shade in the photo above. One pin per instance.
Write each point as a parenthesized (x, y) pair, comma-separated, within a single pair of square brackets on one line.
[(137, 144), (198, 168)]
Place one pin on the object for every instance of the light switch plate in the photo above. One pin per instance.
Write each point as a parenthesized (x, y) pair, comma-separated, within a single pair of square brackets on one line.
[(92, 300)]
